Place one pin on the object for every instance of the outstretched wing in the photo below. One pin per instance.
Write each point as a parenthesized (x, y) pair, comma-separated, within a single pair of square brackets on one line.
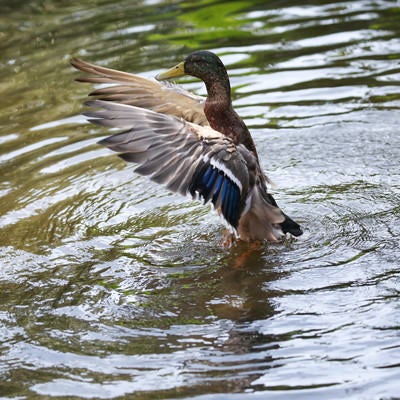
[(186, 158), (138, 91)]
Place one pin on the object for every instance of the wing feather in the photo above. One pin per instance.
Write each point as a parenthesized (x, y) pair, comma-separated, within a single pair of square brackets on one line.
[(138, 91), (186, 158)]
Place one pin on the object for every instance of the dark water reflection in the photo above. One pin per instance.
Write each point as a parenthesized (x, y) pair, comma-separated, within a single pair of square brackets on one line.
[(111, 286)]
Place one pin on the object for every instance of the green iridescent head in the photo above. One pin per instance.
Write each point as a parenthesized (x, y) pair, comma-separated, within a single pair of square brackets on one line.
[(201, 64)]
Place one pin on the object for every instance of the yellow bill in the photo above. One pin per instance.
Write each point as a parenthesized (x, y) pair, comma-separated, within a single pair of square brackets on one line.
[(174, 72)]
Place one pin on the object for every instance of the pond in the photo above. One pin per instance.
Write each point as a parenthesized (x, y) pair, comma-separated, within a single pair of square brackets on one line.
[(113, 287)]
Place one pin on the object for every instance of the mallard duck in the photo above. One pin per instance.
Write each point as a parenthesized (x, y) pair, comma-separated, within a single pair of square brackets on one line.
[(193, 146)]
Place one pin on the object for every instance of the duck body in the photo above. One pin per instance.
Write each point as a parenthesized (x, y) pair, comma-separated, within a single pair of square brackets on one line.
[(196, 147)]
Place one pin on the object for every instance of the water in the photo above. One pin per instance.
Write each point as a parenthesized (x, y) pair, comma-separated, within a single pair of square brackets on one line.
[(112, 287)]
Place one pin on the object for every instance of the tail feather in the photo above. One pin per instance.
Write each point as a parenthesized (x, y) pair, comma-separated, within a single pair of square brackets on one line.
[(289, 226)]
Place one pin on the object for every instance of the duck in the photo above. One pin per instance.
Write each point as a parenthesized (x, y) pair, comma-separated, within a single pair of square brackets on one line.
[(192, 145)]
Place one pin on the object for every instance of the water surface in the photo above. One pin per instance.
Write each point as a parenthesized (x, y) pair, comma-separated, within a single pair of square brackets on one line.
[(111, 287)]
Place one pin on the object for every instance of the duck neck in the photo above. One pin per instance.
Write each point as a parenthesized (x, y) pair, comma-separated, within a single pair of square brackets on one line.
[(218, 106), (219, 93), (221, 115)]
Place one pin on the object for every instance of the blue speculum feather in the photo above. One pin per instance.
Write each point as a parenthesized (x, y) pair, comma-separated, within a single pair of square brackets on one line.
[(224, 191), (225, 198), (207, 174), (226, 206), (212, 183), (236, 204), (231, 203), (217, 187), (211, 180)]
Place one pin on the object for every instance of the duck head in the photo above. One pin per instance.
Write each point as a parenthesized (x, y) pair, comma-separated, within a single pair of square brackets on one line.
[(204, 65)]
